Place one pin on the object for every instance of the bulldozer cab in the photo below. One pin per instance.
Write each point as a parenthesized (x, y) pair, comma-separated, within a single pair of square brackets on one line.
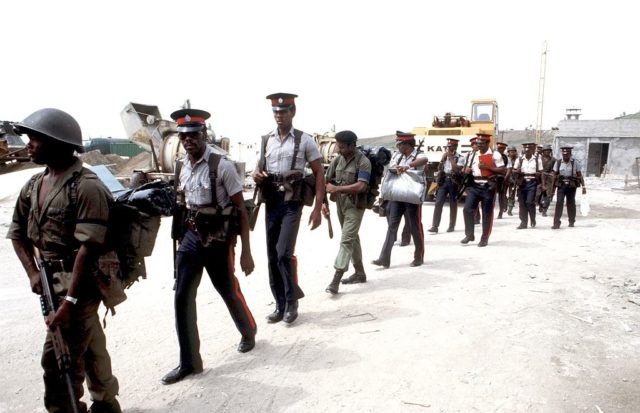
[(484, 111)]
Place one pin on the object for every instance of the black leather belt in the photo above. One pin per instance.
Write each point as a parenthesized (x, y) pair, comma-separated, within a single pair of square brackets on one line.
[(62, 265), (275, 178)]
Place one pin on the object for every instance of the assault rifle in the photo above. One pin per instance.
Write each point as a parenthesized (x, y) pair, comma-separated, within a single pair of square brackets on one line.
[(253, 214), (325, 201), (49, 306)]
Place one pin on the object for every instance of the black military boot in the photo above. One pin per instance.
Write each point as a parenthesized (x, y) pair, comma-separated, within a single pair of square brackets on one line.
[(335, 283), (105, 406), (291, 312), (357, 277), (277, 315)]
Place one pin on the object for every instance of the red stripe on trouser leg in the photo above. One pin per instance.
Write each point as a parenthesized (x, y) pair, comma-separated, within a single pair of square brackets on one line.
[(420, 229), (294, 260), (236, 288)]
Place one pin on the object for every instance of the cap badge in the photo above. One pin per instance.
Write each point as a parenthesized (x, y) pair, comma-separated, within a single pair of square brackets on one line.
[(187, 118), (280, 100)]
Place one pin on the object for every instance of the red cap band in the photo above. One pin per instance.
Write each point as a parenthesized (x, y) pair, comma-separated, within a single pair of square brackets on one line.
[(190, 119)]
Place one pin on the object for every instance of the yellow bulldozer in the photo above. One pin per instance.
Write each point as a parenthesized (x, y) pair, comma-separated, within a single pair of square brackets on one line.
[(484, 116)]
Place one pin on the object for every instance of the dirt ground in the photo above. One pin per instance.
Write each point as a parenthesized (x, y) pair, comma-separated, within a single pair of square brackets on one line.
[(539, 321)]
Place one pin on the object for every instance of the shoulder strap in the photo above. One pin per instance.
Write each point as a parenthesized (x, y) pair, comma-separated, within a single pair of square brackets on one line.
[(470, 163), (572, 167), (263, 154), (214, 161), (176, 178), (297, 137), (32, 183)]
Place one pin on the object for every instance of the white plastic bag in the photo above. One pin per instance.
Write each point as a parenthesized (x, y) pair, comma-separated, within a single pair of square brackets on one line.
[(405, 187), (585, 208)]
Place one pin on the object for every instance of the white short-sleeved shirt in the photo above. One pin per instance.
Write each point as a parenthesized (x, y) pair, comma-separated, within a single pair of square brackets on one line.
[(398, 159), (196, 183), (475, 161), (279, 152), (458, 158), (529, 166), (566, 169)]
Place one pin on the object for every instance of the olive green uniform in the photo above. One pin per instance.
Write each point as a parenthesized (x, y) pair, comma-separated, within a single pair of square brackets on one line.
[(350, 207), (57, 230)]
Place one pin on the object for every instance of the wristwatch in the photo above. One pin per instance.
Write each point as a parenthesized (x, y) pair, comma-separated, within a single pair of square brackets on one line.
[(72, 300)]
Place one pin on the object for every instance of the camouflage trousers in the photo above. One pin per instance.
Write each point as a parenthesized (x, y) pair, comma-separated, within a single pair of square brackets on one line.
[(89, 359), (350, 219)]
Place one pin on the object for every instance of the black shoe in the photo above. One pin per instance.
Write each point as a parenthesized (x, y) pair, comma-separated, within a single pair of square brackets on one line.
[(380, 263), (334, 286), (500, 215), (466, 240), (247, 343), (570, 224), (510, 213), (450, 229), (483, 243), (533, 224), (404, 243), (416, 263), (355, 278), (555, 226), (544, 213), (275, 317), (433, 229), (476, 222), (521, 226), (291, 312), (179, 373), (105, 406)]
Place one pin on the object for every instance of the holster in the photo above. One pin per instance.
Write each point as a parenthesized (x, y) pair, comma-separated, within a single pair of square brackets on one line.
[(216, 224), (292, 181), (178, 224)]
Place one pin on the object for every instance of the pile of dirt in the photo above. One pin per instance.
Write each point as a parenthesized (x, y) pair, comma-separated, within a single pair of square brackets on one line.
[(141, 161), (118, 165)]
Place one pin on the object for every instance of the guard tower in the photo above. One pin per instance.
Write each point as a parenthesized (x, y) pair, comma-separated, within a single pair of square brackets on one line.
[(573, 113)]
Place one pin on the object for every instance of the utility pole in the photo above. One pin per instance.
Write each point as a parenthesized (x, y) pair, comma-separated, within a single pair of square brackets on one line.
[(543, 71)]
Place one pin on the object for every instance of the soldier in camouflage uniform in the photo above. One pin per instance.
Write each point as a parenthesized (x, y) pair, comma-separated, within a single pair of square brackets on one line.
[(544, 198), (347, 179), (510, 179), (68, 238)]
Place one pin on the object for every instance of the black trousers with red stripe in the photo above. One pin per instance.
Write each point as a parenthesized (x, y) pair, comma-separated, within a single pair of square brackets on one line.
[(282, 221), (396, 210), (483, 195), (218, 259)]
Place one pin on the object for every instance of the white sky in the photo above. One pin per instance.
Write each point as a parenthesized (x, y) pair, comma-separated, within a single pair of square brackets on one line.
[(369, 66)]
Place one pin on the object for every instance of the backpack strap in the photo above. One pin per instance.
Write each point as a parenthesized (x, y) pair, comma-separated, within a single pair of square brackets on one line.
[(468, 163), (176, 177), (297, 137), (263, 154), (214, 161)]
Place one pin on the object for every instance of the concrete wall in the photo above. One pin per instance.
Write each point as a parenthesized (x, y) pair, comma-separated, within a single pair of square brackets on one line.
[(621, 158)]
